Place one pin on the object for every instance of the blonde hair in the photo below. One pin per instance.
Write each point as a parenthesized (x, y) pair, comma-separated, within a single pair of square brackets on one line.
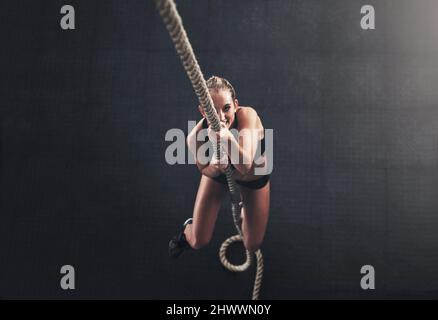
[(219, 83)]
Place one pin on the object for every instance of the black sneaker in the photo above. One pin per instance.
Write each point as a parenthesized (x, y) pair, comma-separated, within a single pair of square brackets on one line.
[(179, 244)]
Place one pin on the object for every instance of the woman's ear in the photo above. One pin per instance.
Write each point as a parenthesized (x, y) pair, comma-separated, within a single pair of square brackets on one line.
[(236, 103)]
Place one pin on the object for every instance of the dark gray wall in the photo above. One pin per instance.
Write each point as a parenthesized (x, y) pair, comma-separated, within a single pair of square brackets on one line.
[(83, 175)]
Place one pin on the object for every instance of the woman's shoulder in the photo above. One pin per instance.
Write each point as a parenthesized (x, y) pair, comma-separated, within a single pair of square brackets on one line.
[(248, 115), (246, 112), (246, 109)]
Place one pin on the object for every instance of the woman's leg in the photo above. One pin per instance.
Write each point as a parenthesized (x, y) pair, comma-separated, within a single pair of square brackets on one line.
[(207, 204), (255, 216)]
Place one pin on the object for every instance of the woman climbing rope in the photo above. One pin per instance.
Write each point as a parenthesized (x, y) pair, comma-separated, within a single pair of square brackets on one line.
[(243, 155)]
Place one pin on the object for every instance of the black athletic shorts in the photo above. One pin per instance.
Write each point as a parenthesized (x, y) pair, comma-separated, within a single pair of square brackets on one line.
[(255, 184)]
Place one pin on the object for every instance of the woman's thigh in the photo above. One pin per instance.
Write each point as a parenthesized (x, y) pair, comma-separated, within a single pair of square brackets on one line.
[(255, 215), (207, 204)]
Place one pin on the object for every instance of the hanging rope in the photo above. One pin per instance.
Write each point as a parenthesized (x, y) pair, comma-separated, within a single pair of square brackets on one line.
[(173, 23)]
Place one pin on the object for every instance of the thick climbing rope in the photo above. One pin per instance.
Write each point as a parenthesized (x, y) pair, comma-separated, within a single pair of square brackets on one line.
[(173, 23)]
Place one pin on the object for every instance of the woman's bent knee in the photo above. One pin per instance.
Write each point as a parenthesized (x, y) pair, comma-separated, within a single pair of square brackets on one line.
[(198, 243), (252, 245)]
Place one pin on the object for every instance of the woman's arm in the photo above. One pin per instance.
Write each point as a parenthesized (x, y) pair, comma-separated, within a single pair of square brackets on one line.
[(208, 167), (193, 145), (242, 151)]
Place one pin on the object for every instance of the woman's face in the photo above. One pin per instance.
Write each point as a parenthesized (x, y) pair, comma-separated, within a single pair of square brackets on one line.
[(225, 106)]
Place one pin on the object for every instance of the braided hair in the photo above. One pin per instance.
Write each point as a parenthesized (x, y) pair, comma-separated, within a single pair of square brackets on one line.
[(218, 83)]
